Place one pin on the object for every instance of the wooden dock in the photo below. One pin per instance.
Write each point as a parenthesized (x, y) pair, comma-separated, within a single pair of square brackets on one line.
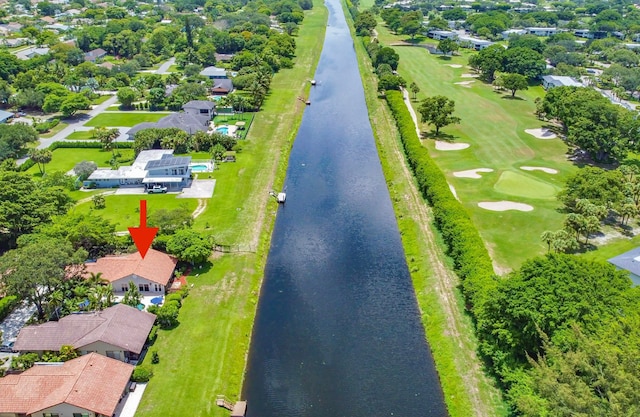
[(238, 408)]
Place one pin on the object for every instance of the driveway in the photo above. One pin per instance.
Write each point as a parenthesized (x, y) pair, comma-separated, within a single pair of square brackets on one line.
[(199, 189), (11, 325)]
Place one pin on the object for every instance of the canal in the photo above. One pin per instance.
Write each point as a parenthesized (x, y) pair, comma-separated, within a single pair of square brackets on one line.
[(338, 331)]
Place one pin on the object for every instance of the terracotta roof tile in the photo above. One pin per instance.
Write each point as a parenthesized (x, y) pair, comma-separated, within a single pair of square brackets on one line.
[(92, 382), (156, 266), (120, 325)]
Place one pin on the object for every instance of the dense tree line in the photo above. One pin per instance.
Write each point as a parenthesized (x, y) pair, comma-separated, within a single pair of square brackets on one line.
[(605, 131)]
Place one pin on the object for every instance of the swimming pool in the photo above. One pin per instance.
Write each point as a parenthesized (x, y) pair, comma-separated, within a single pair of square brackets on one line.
[(200, 168), (223, 129)]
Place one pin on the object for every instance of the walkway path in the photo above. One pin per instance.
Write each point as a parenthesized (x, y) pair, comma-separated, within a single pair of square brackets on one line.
[(407, 101)]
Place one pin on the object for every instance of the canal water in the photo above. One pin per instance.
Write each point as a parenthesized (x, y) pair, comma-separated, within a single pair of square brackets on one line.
[(338, 330)]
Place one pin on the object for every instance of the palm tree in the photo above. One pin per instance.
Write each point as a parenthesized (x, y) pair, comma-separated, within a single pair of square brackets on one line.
[(547, 237), (414, 90)]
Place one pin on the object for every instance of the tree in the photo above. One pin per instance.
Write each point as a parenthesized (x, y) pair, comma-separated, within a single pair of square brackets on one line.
[(524, 61), (84, 169), (73, 103), (438, 111), (189, 246), (132, 296), (126, 96), (32, 275), (41, 157), (13, 139), (365, 22), (447, 46), (413, 87), (598, 186), (99, 202), (514, 82), (488, 61), (546, 297), (107, 137)]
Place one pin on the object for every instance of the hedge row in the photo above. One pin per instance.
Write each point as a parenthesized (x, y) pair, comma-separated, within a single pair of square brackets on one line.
[(7, 305), (87, 144), (464, 244)]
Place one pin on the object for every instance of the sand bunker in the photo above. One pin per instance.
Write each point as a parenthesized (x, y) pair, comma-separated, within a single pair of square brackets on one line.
[(470, 75), (504, 206), (541, 133), (454, 65), (543, 169), (471, 173), (465, 83), (448, 146)]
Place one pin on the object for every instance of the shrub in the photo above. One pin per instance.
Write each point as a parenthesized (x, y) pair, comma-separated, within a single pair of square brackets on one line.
[(155, 358), (7, 305), (153, 334), (174, 297), (142, 373)]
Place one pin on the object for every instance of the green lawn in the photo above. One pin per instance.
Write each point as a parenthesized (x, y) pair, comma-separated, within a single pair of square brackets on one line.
[(124, 119), (81, 135), (206, 354), (101, 99), (494, 126), (123, 210), (55, 130), (64, 159)]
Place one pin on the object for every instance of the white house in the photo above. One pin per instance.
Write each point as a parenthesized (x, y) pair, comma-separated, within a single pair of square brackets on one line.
[(541, 31), (583, 33), (474, 43), (442, 34), (510, 32), (550, 81), (151, 167)]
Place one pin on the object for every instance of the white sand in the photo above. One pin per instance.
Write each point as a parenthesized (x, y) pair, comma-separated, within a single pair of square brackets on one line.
[(453, 191), (504, 205), (541, 133), (471, 173), (543, 169), (465, 83), (447, 146), (454, 65), (470, 75)]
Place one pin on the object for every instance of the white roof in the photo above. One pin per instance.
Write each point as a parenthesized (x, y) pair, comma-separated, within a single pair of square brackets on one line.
[(161, 179), (562, 81)]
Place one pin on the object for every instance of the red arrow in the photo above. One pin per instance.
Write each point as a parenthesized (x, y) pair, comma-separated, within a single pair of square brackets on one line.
[(143, 236)]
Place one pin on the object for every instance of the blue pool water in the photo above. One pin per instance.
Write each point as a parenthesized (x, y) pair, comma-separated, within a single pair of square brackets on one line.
[(223, 129), (199, 168)]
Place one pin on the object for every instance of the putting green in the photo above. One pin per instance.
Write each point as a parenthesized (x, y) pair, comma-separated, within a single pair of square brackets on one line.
[(521, 185)]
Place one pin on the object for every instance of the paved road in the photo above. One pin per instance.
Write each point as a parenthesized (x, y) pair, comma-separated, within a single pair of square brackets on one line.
[(164, 68), (78, 123), (11, 325)]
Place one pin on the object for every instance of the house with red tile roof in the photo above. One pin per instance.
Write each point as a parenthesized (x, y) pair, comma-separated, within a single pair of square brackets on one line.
[(119, 332), (89, 385), (151, 274)]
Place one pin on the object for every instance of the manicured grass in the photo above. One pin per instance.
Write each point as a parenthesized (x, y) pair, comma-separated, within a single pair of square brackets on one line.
[(101, 99), (454, 357), (55, 130), (124, 119), (206, 354), (521, 185), (123, 210), (494, 126), (81, 135), (64, 159)]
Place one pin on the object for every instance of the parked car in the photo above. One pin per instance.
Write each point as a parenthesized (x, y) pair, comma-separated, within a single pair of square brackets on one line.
[(7, 347), (157, 189)]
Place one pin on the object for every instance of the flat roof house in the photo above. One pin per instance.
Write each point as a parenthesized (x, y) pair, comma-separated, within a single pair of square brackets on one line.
[(151, 167), (5, 116), (510, 32), (550, 81), (474, 43), (90, 385), (630, 262), (442, 34), (542, 31), (31, 52), (118, 332), (214, 73), (151, 274)]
